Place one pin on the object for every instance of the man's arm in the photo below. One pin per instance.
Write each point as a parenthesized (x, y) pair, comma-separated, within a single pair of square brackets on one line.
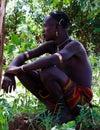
[(8, 82), (42, 49), (73, 48), (41, 63), (57, 58)]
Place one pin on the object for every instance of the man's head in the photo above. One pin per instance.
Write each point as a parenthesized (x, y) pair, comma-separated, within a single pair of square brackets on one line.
[(53, 23), (62, 18)]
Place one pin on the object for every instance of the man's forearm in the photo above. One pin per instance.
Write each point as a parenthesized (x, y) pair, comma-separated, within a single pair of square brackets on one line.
[(42, 63), (19, 60)]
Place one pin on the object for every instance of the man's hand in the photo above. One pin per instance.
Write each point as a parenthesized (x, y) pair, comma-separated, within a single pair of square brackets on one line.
[(9, 83), (13, 70)]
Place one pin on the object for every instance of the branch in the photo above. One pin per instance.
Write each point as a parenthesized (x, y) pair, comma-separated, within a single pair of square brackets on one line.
[(2, 21)]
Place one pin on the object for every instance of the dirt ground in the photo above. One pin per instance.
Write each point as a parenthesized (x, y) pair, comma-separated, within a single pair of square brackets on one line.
[(24, 122)]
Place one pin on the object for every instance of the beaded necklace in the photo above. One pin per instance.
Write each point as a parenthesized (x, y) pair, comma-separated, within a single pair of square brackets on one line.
[(58, 46)]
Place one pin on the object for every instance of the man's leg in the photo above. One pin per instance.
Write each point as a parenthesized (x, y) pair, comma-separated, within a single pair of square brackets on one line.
[(31, 81), (54, 79)]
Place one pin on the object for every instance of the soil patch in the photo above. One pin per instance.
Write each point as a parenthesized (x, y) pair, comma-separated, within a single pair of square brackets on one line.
[(25, 122)]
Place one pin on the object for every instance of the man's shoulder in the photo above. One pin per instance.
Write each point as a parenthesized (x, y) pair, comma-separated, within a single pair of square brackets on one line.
[(74, 43), (75, 47), (78, 45)]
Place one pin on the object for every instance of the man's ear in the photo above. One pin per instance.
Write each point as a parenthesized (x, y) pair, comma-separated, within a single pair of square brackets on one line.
[(58, 27)]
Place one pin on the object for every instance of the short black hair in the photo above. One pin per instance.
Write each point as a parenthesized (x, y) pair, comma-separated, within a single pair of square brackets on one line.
[(61, 17)]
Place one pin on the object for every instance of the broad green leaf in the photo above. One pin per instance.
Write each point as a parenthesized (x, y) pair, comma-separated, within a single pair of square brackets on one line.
[(15, 39)]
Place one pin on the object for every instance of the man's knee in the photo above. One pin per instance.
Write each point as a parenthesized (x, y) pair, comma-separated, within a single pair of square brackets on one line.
[(53, 73), (46, 74)]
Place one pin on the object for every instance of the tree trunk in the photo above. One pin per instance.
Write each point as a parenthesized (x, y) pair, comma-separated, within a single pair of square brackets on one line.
[(2, 21)]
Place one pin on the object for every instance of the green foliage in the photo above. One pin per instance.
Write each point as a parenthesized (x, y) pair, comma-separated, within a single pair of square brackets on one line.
[(88, 118), (11, 106), (84, 117), (5, 113), (46, 121), (24, 20)]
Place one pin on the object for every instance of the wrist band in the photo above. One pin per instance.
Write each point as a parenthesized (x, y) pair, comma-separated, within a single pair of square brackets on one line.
[(22, 68), (27, 55), (60, 57)]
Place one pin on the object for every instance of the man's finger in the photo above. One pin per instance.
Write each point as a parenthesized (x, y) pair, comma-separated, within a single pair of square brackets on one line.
[(10, 88), (14, 87), (4, 84)]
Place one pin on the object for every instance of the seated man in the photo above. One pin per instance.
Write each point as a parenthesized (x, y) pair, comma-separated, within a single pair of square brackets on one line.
[(61, 80)]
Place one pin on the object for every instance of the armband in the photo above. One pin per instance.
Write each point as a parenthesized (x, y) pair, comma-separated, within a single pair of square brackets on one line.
[(59, 56), (27, 55)]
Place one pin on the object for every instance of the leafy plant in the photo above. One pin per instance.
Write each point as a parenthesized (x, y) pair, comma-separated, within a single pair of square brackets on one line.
[(88, 118), (23, 29), (5, 113)]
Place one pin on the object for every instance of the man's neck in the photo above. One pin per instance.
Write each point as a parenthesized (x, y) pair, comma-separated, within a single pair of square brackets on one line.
[(61, 37), (63, 44), (61, 40)]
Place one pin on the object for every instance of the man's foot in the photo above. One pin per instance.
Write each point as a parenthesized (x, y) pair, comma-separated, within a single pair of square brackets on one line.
[(58, 117), (64, 119), (62, 116)]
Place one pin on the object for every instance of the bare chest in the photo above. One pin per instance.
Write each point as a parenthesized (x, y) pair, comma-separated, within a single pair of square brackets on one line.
[(70, 65)]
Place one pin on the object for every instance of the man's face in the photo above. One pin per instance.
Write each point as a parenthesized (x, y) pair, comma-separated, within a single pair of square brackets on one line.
[(50, 27)]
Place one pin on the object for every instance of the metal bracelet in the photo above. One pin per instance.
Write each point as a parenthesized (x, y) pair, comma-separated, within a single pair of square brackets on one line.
[(22, 68)]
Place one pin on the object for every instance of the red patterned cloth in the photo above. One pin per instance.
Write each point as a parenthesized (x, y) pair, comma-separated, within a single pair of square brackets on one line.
[(74, 95)]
